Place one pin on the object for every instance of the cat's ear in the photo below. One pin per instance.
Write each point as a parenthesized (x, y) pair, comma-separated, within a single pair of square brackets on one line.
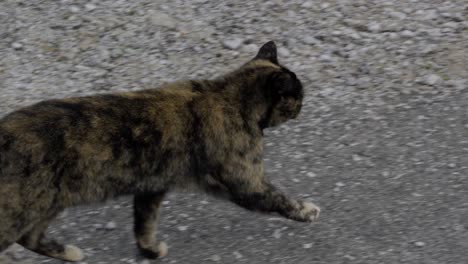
[(268, 52)]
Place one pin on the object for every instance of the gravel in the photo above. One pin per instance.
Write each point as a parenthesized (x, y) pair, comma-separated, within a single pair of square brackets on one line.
[(111, 225), (419, 244), (381, 144), (232, 44)]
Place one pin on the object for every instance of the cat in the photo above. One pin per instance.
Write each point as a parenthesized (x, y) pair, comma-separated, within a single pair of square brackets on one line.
[(206, 134)]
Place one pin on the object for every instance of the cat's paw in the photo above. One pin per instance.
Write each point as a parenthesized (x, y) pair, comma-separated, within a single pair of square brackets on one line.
[(310, 212), (72, 253), (156, 251), (305, 212)]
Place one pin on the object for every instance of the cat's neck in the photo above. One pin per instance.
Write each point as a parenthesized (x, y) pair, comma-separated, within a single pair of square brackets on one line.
[(245, 95)]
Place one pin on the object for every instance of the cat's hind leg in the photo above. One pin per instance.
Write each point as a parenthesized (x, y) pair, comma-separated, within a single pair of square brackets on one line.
[(146, 214), (36, 241), (8, 234), (4, 244)]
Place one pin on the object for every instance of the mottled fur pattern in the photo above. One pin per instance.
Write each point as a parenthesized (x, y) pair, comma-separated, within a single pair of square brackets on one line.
[(201, 133)]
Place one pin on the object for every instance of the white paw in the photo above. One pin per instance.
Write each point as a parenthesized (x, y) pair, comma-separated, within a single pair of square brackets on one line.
[(162, 248), (73, 253), (310, 211)]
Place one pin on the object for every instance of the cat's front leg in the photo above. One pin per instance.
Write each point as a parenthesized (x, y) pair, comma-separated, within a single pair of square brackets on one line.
[(268, 198), (146, 214)]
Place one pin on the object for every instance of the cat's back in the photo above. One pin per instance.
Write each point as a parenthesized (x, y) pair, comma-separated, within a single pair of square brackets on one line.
[(96, 127), (71, 116)]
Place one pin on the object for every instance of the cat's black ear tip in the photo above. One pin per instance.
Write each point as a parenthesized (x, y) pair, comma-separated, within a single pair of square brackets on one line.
[(270, 45), (268, 52)]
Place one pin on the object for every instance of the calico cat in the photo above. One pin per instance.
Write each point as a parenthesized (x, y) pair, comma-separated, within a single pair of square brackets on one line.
[(200, 133)]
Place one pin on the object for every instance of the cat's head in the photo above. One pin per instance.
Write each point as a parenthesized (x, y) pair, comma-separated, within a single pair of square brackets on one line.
[(280, 87)]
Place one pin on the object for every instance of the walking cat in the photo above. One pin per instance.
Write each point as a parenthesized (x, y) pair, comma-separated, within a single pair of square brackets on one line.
[(199, 133)]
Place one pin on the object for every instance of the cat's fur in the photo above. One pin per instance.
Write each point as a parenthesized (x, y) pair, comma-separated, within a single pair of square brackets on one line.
[(200, 133)]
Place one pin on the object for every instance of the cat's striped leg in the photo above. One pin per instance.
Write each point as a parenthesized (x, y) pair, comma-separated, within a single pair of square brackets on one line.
[(146, 214), (35, 240)]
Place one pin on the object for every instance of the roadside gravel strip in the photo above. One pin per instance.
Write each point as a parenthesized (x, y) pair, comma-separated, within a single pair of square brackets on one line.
[(381, 145)]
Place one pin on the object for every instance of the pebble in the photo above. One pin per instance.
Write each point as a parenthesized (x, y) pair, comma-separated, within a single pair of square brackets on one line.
[(232, 44), (325, 58), (161, 19), (419, 244), (407, 33), (283, 52), (374, 27), (17, 45), (325, 5), (237, 255), (307, 4), (277, 234), (182, 228), (428, 14), (428, 49), (75, 9), (90, 6), (399, 15), (310, 40), (340, 184), (357, 157), (432, 79), (110, 225), (215, 258), (251, 48)]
